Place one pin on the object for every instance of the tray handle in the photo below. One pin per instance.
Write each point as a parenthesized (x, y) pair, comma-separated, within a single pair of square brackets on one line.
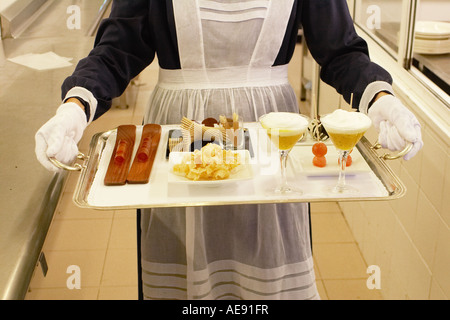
[(388, 156), (75, 167)]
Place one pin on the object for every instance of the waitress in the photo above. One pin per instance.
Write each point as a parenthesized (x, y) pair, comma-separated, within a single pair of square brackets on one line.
[(220, 57)]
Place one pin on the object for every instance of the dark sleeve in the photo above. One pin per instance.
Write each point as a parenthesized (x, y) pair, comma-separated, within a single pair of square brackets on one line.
[(343, 55), (122, 50)]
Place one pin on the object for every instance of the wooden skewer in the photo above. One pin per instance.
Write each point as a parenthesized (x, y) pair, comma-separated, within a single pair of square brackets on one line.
[(235, 121), (191, 127), (175, 144), (224, 122)]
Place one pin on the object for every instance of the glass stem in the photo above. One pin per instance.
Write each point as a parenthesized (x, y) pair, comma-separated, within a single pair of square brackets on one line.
[(283, 160), (342, 165)]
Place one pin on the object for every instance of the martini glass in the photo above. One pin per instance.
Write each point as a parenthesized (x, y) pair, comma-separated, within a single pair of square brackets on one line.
[(345, 129), (284, 129)]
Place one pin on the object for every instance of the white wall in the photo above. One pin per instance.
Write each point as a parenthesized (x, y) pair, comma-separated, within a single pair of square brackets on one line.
[(409, 238)]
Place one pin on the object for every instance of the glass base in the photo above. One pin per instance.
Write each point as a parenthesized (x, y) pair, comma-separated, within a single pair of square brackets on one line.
[(285, 190), (338, 189)]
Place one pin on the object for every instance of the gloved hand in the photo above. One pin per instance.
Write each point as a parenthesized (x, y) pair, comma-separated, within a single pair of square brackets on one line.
[(59, 136), (396, 125)]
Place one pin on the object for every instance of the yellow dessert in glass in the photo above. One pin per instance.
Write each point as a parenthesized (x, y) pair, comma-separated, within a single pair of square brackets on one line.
[(284, 129), (345, 129)]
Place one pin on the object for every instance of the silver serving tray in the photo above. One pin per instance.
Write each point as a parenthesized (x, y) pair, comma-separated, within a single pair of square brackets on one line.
[(158, 193)]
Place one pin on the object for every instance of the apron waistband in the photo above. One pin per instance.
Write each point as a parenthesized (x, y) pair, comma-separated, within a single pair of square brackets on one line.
[(223, 77)]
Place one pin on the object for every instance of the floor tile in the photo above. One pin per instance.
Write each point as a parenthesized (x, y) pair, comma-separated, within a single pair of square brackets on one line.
[(123, 233), (339, 261), (63, 294), (120, 268), (350, 289), (79, 235), (325, 207), (118, 293), (330, 227)]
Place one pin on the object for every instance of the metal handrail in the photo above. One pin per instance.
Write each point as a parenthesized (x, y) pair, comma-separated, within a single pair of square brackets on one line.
[(98, 19)]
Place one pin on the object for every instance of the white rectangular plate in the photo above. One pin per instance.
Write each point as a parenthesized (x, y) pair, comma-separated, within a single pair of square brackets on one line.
[(240, 173), (301, 159)]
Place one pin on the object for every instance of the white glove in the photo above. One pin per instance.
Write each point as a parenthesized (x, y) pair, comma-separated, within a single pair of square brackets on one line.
[(59, 136), (396, 125)]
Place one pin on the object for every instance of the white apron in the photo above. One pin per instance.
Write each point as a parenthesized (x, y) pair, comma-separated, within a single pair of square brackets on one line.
[(227, 50)]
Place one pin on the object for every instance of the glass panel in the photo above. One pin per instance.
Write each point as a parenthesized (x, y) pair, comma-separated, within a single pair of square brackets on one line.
[(45, 19), (432, 42), (381, 19)]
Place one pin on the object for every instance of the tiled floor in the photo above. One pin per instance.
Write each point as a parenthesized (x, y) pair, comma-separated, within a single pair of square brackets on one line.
[(103, 244)]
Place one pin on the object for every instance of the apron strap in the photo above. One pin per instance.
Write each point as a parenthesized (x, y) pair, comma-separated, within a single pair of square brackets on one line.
[(189, 34)]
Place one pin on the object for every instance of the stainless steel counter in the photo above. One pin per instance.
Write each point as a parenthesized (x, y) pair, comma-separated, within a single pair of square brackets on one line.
[(435, 67), (28, 98)]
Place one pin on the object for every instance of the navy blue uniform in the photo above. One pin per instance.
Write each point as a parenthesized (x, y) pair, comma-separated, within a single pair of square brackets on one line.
[(127, 42)]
